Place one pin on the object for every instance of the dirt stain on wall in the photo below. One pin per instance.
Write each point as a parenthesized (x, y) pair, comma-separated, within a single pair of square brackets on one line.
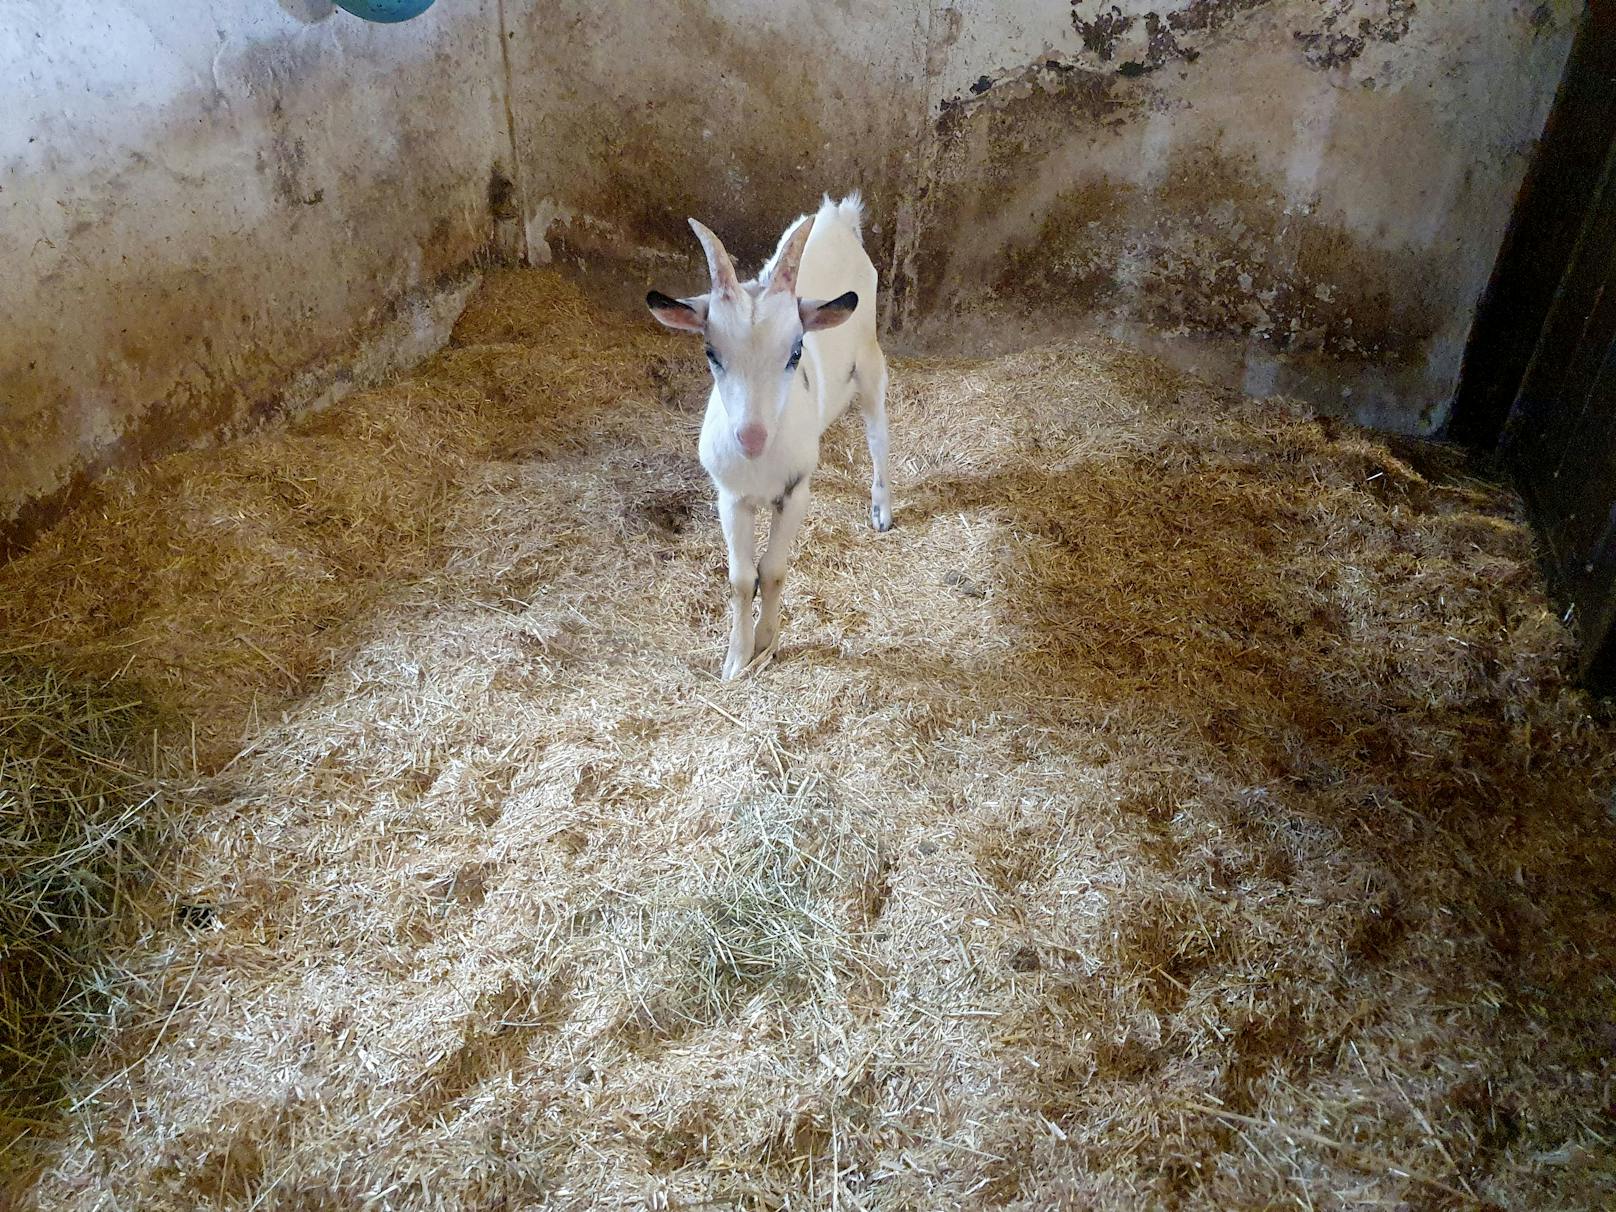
[(1113, 180), (744, 141), (1216, 252), (143, 342), (1027, 183), (1102, 32)]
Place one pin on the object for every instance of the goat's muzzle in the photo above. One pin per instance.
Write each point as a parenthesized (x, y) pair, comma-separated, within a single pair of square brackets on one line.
[(753, 438)]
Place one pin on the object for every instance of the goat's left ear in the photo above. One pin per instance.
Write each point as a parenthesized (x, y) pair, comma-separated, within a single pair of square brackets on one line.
[(687, 315), (817, 315)]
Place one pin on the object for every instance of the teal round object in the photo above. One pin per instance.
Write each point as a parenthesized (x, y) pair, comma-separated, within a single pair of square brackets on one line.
[(385, 11)]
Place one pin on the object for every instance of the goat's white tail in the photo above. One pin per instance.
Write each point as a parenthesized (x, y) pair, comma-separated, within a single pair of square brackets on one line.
[(851, 211)]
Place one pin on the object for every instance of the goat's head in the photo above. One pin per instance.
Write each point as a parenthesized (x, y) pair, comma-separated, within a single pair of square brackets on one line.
[(754, 333)]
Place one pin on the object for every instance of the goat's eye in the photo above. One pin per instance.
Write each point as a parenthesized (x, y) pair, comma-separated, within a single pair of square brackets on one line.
[(712, 356), (796, 356)]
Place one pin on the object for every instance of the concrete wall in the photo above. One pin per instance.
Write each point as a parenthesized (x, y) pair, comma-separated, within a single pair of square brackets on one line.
[(1300, 195), (208, 206), (1292, 195), (632, 116), (205, 205)]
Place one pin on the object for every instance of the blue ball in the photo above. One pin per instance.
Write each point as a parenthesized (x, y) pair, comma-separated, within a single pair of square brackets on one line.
[(385, 11)]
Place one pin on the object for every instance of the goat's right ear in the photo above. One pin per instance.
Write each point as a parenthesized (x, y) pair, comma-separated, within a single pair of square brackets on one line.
[(687, 315), (819, 315)]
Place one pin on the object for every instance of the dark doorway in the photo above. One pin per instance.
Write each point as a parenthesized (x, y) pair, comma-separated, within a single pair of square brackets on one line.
[(1539, 382)]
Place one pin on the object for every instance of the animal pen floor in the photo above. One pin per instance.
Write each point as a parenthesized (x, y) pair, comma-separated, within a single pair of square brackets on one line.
[(1182, 806)]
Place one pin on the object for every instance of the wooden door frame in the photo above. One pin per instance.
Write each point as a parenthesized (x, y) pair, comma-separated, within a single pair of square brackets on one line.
[(1529, 283), (1548, 219)]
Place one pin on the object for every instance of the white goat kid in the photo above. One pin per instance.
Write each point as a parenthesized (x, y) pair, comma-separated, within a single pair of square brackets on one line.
[(788, 351)]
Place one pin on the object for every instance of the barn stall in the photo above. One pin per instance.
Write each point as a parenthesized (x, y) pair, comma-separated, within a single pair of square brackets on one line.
[(1189, 803)]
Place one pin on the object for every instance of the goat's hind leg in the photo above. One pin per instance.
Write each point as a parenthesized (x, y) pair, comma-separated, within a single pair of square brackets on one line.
[(871, 376)]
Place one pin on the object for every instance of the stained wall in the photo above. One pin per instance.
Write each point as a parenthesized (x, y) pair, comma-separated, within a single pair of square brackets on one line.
[(213, 210)]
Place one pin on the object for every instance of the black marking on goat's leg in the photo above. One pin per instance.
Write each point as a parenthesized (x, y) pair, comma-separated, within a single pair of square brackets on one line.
[(805, 377), (779, 502), (852, 372), (757, 584)]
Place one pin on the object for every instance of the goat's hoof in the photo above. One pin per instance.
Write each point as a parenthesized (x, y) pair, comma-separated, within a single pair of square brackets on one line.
[(881, 516), (734, 666)]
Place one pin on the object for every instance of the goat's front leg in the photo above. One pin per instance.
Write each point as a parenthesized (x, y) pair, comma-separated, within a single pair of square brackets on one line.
[(790, 508), (740, 535)]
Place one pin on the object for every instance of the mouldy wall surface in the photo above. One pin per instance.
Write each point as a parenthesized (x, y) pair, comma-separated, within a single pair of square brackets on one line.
[(1295, 195), (1309, 195), (631, 117), (203, 204)]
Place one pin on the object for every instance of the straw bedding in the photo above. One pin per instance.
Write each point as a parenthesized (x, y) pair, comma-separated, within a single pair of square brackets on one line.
[(1182, 807)]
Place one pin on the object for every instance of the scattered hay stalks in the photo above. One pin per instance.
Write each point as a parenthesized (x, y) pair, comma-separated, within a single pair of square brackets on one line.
[(1210, 823), (80, 809), (767, 917)]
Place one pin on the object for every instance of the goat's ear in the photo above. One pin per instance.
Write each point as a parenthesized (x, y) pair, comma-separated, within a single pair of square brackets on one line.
[(816, 315), (687, 315)]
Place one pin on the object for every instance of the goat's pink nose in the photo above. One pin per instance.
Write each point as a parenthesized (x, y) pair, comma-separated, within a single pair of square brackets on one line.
[(753, 438)]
